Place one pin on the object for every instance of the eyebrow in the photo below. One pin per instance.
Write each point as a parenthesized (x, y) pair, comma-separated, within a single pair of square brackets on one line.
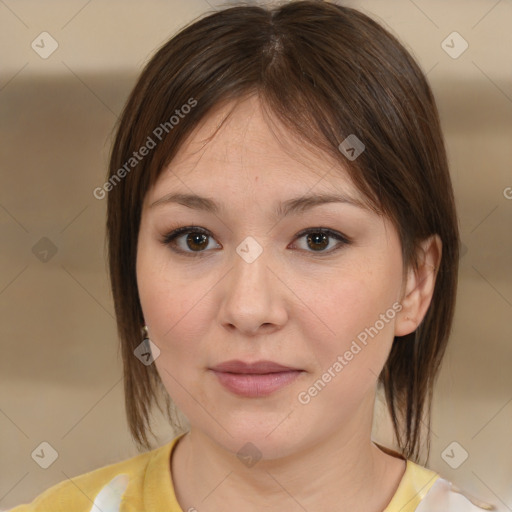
[(288, 207)]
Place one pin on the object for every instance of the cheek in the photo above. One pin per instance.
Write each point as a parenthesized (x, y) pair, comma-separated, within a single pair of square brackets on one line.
[(350, 358), (174, 309), (171, 309), (159, 285), (353, 316), (175, 318)]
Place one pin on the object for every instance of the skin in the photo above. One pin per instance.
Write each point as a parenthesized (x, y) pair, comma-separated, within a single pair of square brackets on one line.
[(294, 305)]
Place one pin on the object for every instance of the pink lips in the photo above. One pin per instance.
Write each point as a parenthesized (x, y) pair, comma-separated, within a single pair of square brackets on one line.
[(254, 379)]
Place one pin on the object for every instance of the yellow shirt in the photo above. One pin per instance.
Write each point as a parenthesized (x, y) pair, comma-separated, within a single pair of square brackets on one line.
[(144, 484)]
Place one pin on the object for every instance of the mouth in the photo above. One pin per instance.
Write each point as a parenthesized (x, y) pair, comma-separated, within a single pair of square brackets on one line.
[(254, 379)]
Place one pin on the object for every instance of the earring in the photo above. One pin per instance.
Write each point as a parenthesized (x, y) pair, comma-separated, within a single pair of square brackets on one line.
[(145, 334)]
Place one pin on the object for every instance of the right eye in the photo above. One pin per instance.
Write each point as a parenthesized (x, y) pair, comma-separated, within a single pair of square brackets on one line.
[(196, 238)]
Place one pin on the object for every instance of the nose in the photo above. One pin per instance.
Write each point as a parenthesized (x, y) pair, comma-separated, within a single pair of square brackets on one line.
[(254, 296)]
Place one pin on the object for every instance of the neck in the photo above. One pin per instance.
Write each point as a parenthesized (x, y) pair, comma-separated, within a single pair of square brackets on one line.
[(345, 471)]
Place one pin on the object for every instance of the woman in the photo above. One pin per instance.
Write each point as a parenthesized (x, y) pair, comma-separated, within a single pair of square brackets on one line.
[(283, 241)]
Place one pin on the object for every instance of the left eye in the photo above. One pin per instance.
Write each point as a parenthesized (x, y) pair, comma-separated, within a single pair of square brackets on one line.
[(316, 239)]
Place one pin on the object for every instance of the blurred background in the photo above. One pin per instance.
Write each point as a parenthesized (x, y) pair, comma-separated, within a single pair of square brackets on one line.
[(67, 68)]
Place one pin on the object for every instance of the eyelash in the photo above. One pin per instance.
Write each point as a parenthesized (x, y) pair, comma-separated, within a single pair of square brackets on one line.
[(170, 239)]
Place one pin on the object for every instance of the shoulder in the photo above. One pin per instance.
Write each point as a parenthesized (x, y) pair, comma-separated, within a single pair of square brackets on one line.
[(100, 490), (424, 490)]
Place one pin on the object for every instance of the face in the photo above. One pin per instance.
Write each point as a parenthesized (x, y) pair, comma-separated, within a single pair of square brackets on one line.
[(314, 290)]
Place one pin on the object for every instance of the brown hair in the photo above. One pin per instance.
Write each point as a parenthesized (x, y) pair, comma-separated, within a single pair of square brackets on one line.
[(326, 72)]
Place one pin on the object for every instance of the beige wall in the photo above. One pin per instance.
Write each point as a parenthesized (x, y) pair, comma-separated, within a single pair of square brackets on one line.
[(60, 374)]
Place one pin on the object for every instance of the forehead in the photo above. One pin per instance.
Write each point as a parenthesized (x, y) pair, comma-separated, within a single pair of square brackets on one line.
[(241, 144)]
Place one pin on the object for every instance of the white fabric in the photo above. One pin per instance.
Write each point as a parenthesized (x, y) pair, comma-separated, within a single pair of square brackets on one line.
[(110, 496), (442, 497)]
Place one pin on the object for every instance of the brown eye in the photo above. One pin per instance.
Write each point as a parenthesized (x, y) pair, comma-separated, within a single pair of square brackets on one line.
[(317, 239), (194, 243)]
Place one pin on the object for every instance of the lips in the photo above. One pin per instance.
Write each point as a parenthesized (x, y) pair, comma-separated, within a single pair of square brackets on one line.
[(259, 367), (254, 380)]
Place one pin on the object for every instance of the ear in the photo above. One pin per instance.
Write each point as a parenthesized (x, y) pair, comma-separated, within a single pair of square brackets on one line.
[(419, 287)]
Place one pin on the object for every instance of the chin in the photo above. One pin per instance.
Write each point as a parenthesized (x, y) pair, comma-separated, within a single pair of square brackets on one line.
[(262, 442)]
